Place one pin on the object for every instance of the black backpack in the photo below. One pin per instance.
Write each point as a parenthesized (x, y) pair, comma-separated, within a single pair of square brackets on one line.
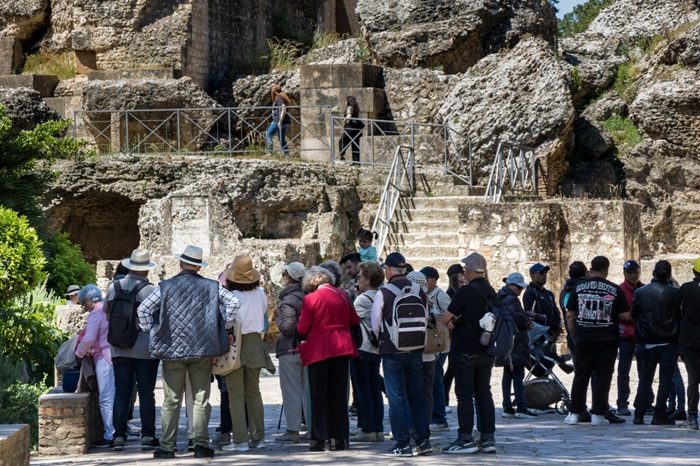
[(123, 320), (503, 335)]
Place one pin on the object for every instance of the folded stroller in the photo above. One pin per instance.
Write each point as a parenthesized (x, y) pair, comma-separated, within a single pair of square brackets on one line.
[(542, 387)]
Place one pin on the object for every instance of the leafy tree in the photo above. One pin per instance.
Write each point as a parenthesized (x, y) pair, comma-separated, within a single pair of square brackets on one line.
[(581, 17), (65, 264), (21, 258)]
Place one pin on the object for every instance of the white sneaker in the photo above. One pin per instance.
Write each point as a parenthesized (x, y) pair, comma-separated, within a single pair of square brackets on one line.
[(599, 420), (243, 446), (571, 419)]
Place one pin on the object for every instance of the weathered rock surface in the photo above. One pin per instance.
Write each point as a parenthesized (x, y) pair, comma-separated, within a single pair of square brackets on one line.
[(594, 59), (25, 108), (521, 96), (22, 19), (448, 34), (683, 50), (345, 51), (416, 94), (254, 91), (592, 140), (631, 20), (607, 105)]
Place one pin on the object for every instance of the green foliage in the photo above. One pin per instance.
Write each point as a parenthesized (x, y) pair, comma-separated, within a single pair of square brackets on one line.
[(19, 404), (623, 131), (362, 52), (324, 39), (575, 80), (581, 17), (65, 264), (60, 64), (21, 259), (649, 44), (284, 54), (624, 82)]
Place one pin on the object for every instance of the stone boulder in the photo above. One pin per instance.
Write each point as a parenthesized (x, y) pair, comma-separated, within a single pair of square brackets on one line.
[(632, 20), (22, 19), (254, 91), (26, 108), (594, 60), (592, 140), (416, 94), (607, 105), (451, 35), (522, 96), (683, 50)]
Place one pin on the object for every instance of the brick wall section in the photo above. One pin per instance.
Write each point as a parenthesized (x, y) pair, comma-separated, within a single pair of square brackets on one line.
[(14, 445), (68, 422)]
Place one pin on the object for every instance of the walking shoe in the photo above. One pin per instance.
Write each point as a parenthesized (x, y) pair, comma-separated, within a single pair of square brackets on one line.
[(508, 413), (380, 436), (118, 444), (488, 445), (365, 437), (678, 416), (352, 411), (288, 437), (584, 417), (462, 447), (163, 454), (305, 436), (439, 427), (598, 420), (638, 421), (259, 444), (102, 443), (222, 439), (650, 410), (623, 412), (401, 451), (203, 452), (691, 422), (612, 418), (132, 429), (525, 414), (190, 444), (448, 409), (662, 421), (243, 446), (149, 443), (571, 419), (423, 449)]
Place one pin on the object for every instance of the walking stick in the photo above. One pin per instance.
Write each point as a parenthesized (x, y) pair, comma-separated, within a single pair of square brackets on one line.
[(279, 423)]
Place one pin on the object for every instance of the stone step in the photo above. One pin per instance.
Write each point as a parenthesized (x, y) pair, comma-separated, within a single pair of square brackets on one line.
[(441, 264), (428, 251), (437, 202), (424, 238), (421, 226), (413, 215)]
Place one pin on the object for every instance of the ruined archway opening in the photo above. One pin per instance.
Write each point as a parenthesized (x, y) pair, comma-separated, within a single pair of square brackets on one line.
[(104, 225)]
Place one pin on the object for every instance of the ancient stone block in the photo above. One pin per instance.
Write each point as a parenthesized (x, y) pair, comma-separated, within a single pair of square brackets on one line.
[(44, 84), (190, 223), (14, 445), (85, 61), (118, 75), (11, 57), (315, 77), (82, 39), (356, 75)]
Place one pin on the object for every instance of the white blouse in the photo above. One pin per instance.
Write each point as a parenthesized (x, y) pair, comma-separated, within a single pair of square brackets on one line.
[(251, 315)]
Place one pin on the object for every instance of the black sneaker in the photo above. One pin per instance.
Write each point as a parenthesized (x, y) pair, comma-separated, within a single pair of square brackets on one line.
[(623, 411), (662, 421), (612, 418), (401, 451), (488, 446), (638, 421), (525, 414), (190, 445), (678, 416), (149, 443), (118, 444), (462, 447), (102, 443), (162, 454), (584, 417), (423, 449), (203, 452), (508, 413)]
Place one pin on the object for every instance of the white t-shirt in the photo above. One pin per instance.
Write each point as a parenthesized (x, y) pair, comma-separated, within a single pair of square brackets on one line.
[(251, 315)]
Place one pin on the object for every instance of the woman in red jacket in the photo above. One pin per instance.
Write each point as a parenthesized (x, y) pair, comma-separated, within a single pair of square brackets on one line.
[(326, 317)]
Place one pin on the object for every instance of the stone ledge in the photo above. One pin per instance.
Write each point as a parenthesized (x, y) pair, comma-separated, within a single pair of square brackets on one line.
[(15, 444), (44, 84), (68, 422)]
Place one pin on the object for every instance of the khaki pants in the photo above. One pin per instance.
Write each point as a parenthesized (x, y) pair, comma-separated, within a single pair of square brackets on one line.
[(174, 372), (244, 393)]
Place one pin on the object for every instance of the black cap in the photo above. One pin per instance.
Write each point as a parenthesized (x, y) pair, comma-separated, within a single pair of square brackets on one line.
[(395, 259), (633, 265), (455, 269), (430, 272)]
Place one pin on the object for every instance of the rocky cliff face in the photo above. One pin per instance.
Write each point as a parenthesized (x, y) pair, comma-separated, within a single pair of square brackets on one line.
[(25, 108)]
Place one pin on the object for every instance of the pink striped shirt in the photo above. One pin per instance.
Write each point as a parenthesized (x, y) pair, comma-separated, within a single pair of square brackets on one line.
[(95, 338)]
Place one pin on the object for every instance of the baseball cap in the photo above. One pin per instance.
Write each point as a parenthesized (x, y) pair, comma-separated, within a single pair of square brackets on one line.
[(455, 269), (696, 265), (630, 265), (430, 272), (539, 267), (395, 259), (296, 270), (475, 262), (515, 278)]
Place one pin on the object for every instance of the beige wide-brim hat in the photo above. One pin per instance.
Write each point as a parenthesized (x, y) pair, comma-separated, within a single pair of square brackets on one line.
[(242, 271), (72, 289), (192, 255), (140, 260)]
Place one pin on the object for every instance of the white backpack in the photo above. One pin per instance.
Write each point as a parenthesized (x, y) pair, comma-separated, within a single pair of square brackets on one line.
[(409, 318)]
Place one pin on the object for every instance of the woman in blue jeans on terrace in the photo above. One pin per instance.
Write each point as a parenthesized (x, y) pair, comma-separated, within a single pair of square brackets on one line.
[(280, 119)]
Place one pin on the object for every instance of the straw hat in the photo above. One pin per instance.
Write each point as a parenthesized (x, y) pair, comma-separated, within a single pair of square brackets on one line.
[(242, 271), (72, 289), (192, 255), (140, 260)]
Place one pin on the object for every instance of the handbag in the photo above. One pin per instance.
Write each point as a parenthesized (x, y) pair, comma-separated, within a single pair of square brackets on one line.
[(65, 357), (437, 336), (229, 362)]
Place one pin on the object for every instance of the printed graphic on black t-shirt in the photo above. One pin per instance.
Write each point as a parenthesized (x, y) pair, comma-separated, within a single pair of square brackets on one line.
[(597, 304)]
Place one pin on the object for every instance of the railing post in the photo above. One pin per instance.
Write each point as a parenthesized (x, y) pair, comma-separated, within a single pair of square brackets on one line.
[(229, 134), (332, 136), (177, 113), (126, 131)]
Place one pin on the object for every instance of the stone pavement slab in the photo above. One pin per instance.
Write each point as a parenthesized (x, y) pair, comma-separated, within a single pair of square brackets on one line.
[(545, 440)]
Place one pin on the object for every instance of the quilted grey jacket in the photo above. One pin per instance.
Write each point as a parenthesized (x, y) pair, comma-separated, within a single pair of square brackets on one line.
[(189, 324)]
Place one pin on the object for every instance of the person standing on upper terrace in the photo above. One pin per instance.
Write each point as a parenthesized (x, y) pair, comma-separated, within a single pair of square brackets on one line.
[(187, 316), (280, 119)]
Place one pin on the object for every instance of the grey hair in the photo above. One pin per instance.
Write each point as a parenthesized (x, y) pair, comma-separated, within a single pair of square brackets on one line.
[(335, 270), (397, 270), (315, 277), (89, 291)]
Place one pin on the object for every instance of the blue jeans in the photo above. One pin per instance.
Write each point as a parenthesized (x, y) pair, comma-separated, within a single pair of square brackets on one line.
[(146, 372), (677, 392), (370, 407), (280, 131), (624, 364), (403, 381), (666, 357), (514, 377), (439, 416)]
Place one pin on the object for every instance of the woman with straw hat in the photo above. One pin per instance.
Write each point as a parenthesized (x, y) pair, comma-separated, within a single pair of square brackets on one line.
[(243, 384)]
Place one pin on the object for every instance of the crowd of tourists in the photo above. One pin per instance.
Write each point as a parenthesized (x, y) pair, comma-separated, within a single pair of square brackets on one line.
[(373, 328)]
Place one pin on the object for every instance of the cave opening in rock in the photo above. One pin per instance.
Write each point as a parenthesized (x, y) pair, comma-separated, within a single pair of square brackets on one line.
[(104, 225)]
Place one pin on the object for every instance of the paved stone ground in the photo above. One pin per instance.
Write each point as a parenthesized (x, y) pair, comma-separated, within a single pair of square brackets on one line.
[(546, 440)]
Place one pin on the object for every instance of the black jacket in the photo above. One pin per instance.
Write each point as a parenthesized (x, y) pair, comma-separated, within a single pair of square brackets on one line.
[(520, 356), (656, 313), (568, 287), (690, 310), (541, 300)]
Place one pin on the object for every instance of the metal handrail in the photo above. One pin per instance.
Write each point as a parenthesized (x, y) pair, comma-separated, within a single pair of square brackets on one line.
[(513, 169), (401, 168)]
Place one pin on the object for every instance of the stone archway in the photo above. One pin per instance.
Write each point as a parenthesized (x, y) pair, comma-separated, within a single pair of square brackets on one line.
[(105, 225)]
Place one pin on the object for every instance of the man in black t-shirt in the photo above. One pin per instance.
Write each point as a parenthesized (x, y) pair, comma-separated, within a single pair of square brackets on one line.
[(595, 308)]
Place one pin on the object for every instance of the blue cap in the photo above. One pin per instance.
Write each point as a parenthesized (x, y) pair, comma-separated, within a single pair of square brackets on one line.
[(539, 267), (515, 279), (395, 259)]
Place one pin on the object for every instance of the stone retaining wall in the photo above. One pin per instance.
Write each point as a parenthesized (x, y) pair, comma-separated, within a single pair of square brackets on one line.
[(14, 445), (68, 422)]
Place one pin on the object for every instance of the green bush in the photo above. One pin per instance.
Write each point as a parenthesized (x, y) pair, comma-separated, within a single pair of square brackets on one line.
[(21, 259), (624, 82), (65, 264), (623, 131), (19, 404)]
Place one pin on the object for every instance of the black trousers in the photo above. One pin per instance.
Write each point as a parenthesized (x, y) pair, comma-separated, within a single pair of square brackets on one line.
[(598, 358), (691, 358), (666, 357), (351, 136), (328, 387), (473, 383)]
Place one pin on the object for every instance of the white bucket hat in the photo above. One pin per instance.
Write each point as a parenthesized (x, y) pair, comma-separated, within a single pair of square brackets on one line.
[(192, 255), (140, 260)]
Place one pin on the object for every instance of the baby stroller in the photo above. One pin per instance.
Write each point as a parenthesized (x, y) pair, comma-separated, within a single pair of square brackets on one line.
[(542, 387)]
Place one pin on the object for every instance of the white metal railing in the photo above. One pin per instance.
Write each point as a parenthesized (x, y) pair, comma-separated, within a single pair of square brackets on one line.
[(401, 167), (513, 171)]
